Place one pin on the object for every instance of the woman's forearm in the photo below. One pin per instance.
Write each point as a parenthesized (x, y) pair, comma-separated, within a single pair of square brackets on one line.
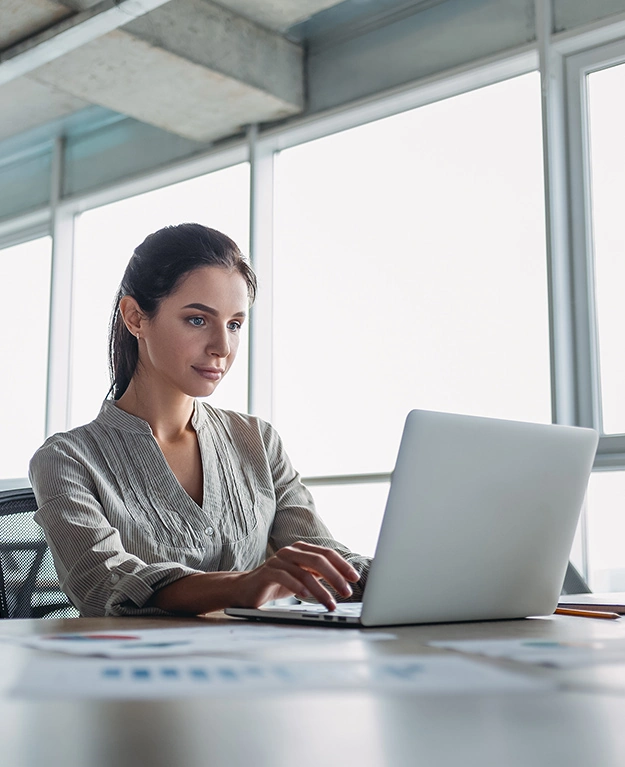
[(198, 593), (292, 570)]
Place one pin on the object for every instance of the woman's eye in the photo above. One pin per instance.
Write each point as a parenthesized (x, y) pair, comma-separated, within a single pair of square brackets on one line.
[(234, 326), (197, 322)]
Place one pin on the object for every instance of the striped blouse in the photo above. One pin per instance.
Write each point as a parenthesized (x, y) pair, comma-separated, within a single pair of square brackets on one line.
[(120, 526)]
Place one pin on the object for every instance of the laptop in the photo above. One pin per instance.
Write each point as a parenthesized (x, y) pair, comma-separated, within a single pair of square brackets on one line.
[(479, 523)]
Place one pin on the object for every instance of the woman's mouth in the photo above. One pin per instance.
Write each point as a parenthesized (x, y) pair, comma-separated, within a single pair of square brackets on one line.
[(210, 374)]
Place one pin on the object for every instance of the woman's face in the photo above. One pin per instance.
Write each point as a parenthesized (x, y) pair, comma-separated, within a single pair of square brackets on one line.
[(192, 340)]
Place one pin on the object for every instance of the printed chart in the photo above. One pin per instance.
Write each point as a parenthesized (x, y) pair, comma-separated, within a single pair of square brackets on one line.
[(61, 677)]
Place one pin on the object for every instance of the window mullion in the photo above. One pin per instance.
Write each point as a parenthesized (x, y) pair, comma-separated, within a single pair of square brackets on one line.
[(587, 360), (260, 391), (59, 343), (565, 380)]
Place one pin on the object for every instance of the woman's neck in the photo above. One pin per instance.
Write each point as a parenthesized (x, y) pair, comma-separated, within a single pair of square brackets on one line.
[(168, 413)]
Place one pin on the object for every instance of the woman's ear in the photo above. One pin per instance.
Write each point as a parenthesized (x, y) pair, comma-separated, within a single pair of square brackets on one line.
[(132, 315)]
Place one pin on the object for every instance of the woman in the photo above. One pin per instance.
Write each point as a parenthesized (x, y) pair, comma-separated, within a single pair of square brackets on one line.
[(164, 504)]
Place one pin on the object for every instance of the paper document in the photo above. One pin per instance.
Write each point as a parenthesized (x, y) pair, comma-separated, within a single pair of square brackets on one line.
[(56, 677), (193, 640), (544, 652), (612, 602)]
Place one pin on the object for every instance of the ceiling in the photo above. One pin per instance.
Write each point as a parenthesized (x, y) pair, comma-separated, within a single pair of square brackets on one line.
[(135, 85), (194, 72), (197, 69), (191, 67)]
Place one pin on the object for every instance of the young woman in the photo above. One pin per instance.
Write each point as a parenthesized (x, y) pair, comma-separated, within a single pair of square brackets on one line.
[(164, 504)]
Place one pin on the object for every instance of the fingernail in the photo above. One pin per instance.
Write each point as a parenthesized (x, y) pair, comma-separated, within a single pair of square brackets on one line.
[(347, 591), (304, 593)]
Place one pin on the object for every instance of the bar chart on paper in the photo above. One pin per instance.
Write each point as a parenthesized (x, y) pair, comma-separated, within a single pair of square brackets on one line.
[(54, 677)]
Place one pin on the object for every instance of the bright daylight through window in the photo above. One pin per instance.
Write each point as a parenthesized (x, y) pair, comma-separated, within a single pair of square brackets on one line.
[(607, 162), (410, 272), (605, 531), (605, 522), (24, 351)]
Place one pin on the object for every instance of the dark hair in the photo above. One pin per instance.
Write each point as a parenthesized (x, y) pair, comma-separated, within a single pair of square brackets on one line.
[(154, 272)]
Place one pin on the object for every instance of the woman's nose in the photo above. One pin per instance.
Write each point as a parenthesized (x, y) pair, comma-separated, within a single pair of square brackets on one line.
[(220, 344)]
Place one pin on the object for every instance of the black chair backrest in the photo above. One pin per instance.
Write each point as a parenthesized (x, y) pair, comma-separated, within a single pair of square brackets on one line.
[(574, 583), (29, 586)]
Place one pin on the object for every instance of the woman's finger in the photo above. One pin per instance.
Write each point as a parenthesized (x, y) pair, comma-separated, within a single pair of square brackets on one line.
[(266, 583), (308, 582), (318, 563), (342, 565)]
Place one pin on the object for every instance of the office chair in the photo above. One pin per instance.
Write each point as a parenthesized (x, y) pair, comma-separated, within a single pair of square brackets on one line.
[(29, 586), (574, 583)]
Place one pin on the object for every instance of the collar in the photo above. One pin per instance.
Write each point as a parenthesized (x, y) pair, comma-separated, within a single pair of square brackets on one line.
[(115, 417)]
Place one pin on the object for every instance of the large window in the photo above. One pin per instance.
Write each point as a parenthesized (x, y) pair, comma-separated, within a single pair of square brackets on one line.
[(24, 319), (606, 115), (410, 272), (605, 161), (105, 240)]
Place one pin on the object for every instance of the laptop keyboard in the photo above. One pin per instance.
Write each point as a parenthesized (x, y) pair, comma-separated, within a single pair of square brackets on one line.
[(343, 608)]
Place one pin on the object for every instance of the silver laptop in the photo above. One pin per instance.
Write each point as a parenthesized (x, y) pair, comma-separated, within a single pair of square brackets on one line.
[(479, 524)]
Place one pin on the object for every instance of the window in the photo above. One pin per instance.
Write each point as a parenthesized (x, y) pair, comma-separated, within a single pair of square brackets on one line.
[(24, 317), (605, 531), (105, 240), (410, 272), (596, 81), (606, 116)]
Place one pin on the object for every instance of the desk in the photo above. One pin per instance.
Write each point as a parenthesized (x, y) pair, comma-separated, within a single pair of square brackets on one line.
[(581, 726)]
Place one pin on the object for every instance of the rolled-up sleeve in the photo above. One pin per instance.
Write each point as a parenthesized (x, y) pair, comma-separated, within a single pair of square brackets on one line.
[(296, 518), (95, 571)]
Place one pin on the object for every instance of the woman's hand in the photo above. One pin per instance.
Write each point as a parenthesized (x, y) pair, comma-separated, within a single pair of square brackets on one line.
[(297, 570)]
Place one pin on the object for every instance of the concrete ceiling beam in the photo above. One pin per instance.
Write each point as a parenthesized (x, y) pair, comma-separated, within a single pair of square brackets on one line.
[(278, 15), (69, 34), (26, 104), (211, 36), (196, 68), (191, 68), (20, 20)]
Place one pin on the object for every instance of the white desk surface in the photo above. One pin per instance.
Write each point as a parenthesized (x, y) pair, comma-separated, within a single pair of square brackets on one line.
[(580, 724)]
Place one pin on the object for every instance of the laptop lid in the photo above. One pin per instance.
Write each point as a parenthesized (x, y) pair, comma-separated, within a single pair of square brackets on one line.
[(479, 521)]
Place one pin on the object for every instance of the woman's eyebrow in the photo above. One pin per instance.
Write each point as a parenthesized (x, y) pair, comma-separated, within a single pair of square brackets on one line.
[(210, 310)]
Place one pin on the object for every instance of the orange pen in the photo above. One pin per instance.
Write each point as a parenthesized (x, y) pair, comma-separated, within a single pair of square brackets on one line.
[(585, 613)]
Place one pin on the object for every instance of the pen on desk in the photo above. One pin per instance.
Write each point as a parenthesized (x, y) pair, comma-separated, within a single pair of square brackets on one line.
[(586, 613)]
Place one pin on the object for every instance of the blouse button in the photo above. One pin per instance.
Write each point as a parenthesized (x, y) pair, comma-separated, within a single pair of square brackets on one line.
[(114, 578), (209, 531)]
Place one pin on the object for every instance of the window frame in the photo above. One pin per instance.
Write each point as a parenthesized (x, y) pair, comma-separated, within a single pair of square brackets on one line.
[(611, 450)]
